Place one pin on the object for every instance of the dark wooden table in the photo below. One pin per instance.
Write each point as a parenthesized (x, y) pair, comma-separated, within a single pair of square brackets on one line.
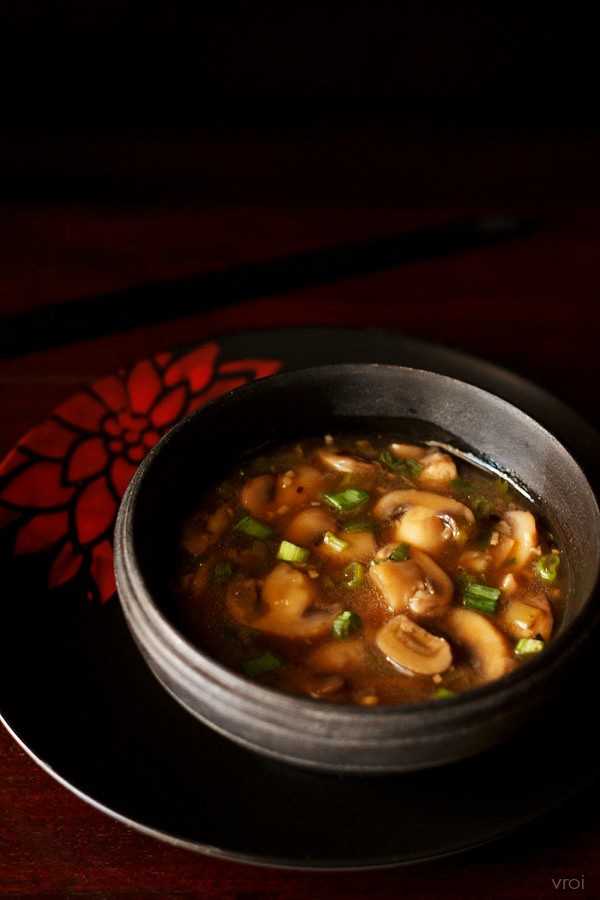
[(529, 305)]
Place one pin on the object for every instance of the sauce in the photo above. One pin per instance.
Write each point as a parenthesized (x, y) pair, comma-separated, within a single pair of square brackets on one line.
[(364, 570)]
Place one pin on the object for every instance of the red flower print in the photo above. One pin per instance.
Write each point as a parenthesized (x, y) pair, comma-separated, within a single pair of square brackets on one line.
[(61, 485)]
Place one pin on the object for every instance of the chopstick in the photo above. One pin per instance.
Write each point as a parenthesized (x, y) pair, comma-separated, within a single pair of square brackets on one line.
[(64, 322)]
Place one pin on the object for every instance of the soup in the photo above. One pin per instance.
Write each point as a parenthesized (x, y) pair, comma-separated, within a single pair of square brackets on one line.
[(367, 571)]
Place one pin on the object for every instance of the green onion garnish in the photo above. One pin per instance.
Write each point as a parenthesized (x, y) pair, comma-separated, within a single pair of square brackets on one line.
[(528, 645), (222, 571), (358, 525), (412, 468), (253, 528), (353, 574), (292, 553), (464, 579), (408, 468), (485, 536), (345, 624), (442, 692), (336, 543), (460, 485), (400, 553), (261, 664), (548, 565), (388, 460), (481, 597), (346, 500), (483, 507)]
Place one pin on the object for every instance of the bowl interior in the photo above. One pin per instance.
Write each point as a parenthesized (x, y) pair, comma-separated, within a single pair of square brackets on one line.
[(410, 404)]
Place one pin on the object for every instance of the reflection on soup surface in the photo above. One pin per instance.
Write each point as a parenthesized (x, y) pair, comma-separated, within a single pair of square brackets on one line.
[(367, 571)]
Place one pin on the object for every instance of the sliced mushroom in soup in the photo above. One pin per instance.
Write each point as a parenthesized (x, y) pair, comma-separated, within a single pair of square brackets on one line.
[(368, 570)]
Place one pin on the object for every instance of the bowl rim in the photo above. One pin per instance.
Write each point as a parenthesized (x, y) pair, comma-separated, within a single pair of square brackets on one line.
[(491, 695)]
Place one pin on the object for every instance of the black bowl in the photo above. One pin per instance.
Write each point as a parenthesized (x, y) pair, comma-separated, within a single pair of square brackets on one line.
[(417, 404)]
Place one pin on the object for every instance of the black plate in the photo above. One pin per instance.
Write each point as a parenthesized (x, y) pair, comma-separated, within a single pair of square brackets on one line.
[(78, 697)]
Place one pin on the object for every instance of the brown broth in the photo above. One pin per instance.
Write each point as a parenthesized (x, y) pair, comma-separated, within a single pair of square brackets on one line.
[(336, 618)]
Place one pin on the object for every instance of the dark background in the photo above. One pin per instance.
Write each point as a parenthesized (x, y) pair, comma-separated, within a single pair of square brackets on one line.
[(117, 68), (164, 79)]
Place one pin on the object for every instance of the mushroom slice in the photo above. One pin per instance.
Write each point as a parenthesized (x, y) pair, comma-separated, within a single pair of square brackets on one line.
[(266, 496), (360, 547), (194, 584), (298, 487), (308, 526), (197, 540), (389, 505), (258, 494), (426, 529), (438, 469), (319, 686), (439, 588), (411, 648), (280, 604), (523, 530), (243, 600), (339, 657), (407, 451), (398, 582), (530, 617), (344, 462), (509, 584), (417, 584), (485, 643), (288, 594), (474, 561), (500, 548)]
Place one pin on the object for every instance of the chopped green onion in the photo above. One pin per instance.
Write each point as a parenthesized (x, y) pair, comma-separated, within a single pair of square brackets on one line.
[(292, 553), (388, 460), (400, 553), (408, 468), (483, 507), (353, 574), (412, 468), (253, 528), (346, 500), (464, 579), (502, 485), (548, 565), (442, 692), (261, 664), (344, 624), (460, 485), (485, 536), (528, 645), (358, 525), (336, 543), (481, 597), (222, 571)]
